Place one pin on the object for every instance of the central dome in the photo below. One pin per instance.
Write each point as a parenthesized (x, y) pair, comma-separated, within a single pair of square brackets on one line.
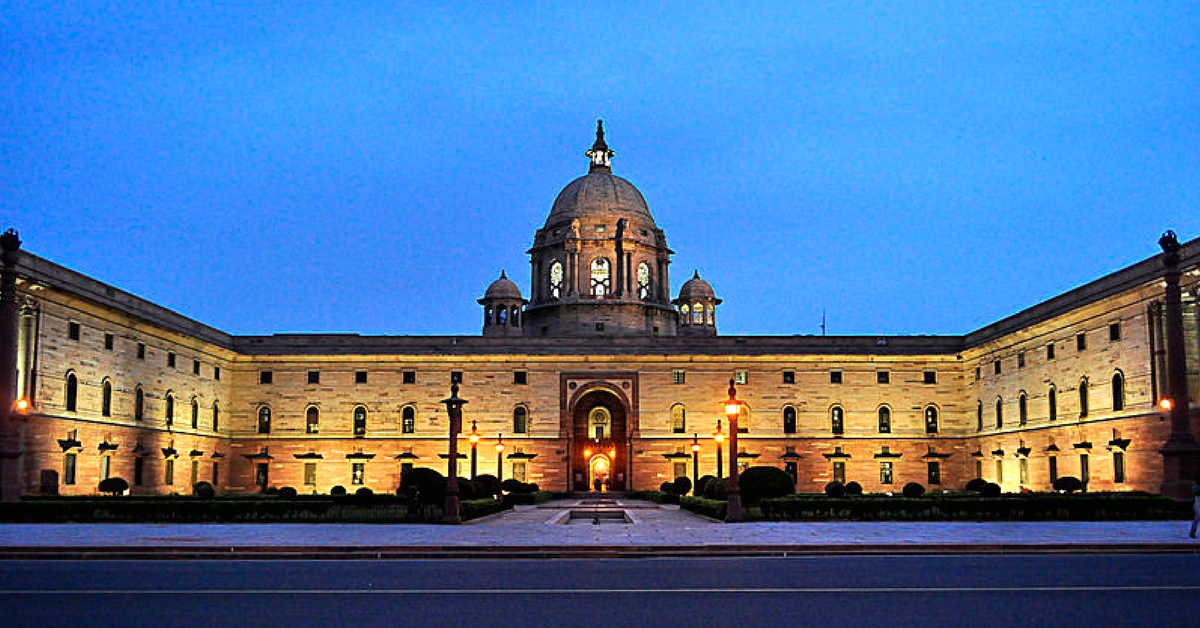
[(597, 193)]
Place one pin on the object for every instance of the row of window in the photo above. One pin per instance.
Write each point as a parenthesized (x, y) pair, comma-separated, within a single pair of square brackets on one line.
[(837, 422), (74, 333), (71, 403), (600, 283), (408, 420), (1085, 473), (679, 376), (70, 475), (406, 377), (1081, 343), (1084, 397)]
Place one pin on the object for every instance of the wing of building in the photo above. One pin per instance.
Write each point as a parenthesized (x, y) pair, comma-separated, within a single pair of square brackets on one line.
[(598, 378)]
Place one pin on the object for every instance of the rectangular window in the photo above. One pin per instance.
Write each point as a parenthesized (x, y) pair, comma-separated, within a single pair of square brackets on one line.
[(1118, 467), (358, 473), (216, 474), (1114, 332), (835, 377), (519, 471), (839, 472), (885, 473), (310, 474), (108, 341), (195, 367), (405, 467), (455, 377), (979, 469), (680, 470), (266, 377), (930, 377), (314, 377), (73, 331), (996, 367), (741, 377), (977, 373), (169, 472), (141, 351), (1085, 471), (69, 469), (999, 472), (360, 377), (1023, 469), (678, 376), (170, 360), (789, 377), (883, 377), (217, 373), (520, 378), (1080, 341), (409, 377), (1050, 351), (195, 471), (934, 472), (139, 471), (262, 474), (105, 467), (1053, 468), (1021, 360)]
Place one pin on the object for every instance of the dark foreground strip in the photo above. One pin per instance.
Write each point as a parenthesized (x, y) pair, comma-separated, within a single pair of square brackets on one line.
[(578, 551), (626, 591)]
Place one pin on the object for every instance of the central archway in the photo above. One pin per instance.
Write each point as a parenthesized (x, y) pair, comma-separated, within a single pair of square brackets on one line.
[(599, 437)]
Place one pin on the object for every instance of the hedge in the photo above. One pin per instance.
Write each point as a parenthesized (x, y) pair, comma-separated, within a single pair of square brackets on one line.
[(970, 507), (702, 506)]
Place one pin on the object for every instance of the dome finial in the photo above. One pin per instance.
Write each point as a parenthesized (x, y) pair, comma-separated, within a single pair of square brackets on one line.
[(599, 153), (502, 275)]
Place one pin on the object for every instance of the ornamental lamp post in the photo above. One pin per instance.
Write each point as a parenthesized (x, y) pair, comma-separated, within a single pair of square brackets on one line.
[(500, 456), (695, 460), (719, 438), (474, 438), (454, 409), (733, 409)]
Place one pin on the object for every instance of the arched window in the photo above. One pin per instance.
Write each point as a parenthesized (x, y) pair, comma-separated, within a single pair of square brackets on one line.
[(139, 404), (599, 421), (264, 420), (195, 413), (106, 398), (170, 413), (1083, 397), (698, 313), (514, 317), (312, 420), (1022, 409), (999, 413), (978, 416), (360, 420), (1118, 391), (487, 316), (685, 313), (72, 392), (678, 419), (643, 280), (556, 279), (408, 420), (216, 416), (789, 420), (885, 420), (502, 316), (931, 420), (837, 423), (601, 277), (520, 420), (1052, 402), (712, 309)]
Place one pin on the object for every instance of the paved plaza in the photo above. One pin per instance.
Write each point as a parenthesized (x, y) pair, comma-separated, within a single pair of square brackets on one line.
[(573, 527)]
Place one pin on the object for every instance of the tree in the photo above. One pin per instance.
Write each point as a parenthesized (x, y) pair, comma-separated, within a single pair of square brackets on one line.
[(430, 485)]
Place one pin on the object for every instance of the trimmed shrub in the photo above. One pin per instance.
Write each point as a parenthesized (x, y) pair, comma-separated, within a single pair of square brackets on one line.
[(835, 489), (287, 492), (430, 485), (1068, 484), (976, 485), (271, 490), (707, 507), (363, 493), (702, 483), (667, 488), (338, 491), (758, 483), (468, 489), (203, 490), (718, 489), (913, 489), (853, 489), (488, 484), (115, 486), (991, 490), (682, 485)]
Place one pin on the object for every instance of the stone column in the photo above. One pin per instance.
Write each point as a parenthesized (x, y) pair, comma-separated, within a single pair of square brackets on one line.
[(1181, 453), (11, 437)]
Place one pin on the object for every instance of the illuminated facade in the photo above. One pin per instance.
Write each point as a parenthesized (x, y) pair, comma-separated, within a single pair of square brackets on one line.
[(598, 378)]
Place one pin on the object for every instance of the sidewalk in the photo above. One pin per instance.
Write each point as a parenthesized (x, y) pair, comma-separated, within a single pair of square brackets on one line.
[(547, 531)]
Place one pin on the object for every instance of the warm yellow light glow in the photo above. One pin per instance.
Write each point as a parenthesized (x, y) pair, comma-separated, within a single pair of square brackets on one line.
[(499, 447), (695, 447), (587, 453), (474, 438), (733, 409), (22, 405), (612, 453), (1166, 404), (719, 437)]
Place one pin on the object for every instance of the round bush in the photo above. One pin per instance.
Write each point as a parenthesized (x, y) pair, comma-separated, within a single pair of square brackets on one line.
[(511, 485), (287, 492), (430, 485), (682, 485), (489, 485), (1068, 484), (702, 483), (271, 490), (759, 483), (116, 486), (976, 485), (667, 487), (835, 489), (338, 491), (991, 490), (913, 489), (853, 489), (364, 493), (717, 489)]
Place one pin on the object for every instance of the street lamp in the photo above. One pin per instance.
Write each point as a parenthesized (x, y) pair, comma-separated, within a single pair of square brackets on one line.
[(695, 459), (500, 456), (733, 408), (454, 410), (474, 438), (719, 438)]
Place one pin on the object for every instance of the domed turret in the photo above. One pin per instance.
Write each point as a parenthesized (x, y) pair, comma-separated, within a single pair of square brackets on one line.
[(697, 305), (502, 304)]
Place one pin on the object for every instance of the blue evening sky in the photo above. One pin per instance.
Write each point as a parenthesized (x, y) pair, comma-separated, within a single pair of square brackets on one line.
[(913, 167)]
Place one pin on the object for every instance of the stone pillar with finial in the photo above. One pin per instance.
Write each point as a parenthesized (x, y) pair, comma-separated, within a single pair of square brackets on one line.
[(1181, 452), (11, 432)]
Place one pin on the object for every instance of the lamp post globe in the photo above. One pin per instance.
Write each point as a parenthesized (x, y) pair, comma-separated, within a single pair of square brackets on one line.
[(500, 456), (719, 438), (474, 438)]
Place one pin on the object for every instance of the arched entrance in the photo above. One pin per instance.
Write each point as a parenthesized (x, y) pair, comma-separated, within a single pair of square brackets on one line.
[(599, 438)]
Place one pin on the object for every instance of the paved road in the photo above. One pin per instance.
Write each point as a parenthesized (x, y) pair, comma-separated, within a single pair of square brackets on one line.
[(979, 591)]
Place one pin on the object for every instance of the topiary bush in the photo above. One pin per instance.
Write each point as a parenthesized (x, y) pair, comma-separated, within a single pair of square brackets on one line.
[(976, 485), (759, 483), (991, 490), (702, 483), (667, 488), (835, 489), (1068, 484), (511, 485), (853, 489), (489, 485), (115, 486), (203, 490), (682, 485), (717, 489), (361, 493), (913, 489), (287, 492), (430, 485), (338, 491)]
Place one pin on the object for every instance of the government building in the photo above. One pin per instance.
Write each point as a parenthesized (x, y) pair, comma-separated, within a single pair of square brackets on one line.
[(599, 377)]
